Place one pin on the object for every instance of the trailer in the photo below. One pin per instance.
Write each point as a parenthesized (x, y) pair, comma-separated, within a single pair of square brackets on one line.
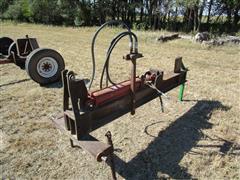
[(43, 65)]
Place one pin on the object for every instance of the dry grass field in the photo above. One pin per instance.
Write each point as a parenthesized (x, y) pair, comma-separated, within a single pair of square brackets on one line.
[(197, 138)]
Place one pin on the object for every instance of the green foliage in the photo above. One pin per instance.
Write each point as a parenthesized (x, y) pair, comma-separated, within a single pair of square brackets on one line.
[(84, 14), (141, 26), (68, 11), (173, 15), (4, 4), (75, 12), (19, 10), (189, 3), (46, 12)]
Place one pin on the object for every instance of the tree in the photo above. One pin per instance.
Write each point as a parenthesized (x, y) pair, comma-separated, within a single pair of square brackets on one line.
[(68, 11), (201, 13), (4, 4), (231, 7), (209, 11), (191, 14), (19, 10), (46, 12), (174, 15)]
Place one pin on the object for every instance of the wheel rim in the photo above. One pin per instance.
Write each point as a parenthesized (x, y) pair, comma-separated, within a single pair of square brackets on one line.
[(47, 67)]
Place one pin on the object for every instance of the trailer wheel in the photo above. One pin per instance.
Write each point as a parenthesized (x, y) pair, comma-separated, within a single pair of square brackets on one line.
[(44, 66), (5, 43)]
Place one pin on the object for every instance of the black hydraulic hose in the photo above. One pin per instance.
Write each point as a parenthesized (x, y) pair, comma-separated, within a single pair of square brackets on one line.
[(93, 45), (113, 44), (107, 62), (115, 39)]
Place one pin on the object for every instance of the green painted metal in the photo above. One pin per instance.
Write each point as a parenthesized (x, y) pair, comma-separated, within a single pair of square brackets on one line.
[(180, 96)]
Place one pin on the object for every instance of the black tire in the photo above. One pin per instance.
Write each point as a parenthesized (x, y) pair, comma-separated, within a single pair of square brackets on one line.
[(5, 43), (44, 66)]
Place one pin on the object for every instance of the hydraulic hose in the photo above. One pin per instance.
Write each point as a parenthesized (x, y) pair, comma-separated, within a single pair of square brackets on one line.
[(110, 49), (93, 45)]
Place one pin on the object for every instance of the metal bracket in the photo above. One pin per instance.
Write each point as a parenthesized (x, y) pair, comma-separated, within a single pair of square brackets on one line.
[(179, 66), (132, 56)]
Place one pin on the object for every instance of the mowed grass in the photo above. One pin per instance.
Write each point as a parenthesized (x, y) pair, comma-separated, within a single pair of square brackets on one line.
[(196, 138)]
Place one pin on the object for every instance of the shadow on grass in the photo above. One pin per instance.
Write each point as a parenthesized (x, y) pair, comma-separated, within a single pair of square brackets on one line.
[(54, 85), (225, 147), (162, 156), (14, 82), (60, 85)]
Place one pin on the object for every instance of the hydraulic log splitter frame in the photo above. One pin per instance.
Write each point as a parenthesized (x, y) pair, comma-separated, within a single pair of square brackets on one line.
[(89, 111)]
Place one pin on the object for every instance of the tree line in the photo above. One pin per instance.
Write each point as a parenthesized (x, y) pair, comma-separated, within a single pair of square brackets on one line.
[(174, 15)]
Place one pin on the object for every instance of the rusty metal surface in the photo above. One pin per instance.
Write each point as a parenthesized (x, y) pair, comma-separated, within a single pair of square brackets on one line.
[(114, 92), (132, 56), (79, 120), (103, 115), (83, 120), (26, 45), (5, 61), (133, 86), (89, 111), (90, 144)]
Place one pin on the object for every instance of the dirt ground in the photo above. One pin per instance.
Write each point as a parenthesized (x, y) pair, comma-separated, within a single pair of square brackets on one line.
[(196, 138)]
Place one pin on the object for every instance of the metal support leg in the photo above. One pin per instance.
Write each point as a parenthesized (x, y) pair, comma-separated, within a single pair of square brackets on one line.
[(180, 97), (161, 103), (133, 86), (111, 159)]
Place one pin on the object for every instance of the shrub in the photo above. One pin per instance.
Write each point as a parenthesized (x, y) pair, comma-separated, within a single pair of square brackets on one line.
[(46, 12), (19, 10)]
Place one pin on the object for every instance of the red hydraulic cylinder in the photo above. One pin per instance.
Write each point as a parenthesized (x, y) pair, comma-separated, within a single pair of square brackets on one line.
[(105, 95)]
